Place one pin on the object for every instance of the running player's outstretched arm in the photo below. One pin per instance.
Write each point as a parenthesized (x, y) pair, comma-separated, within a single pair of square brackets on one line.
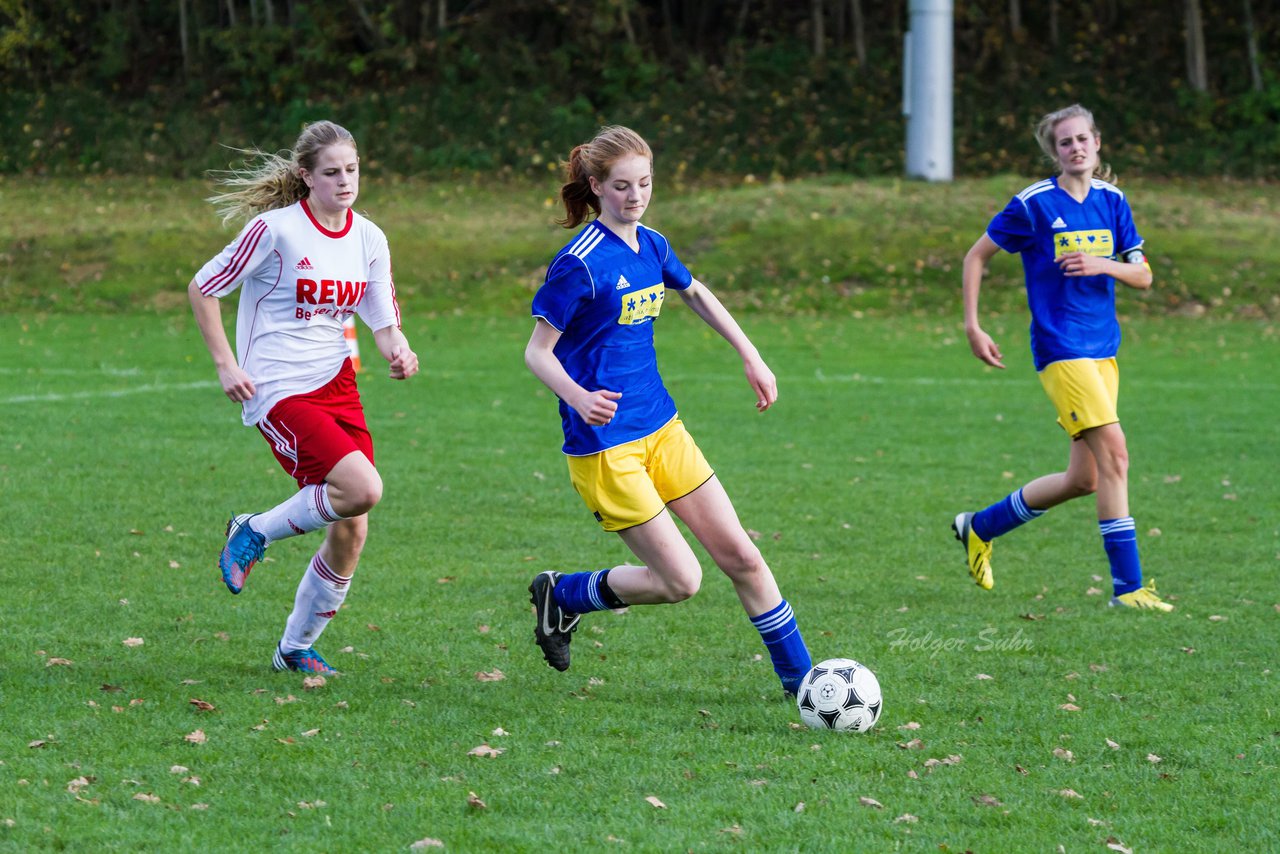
[(975, 262), (236, 384), (706, 305), (395, 348), (594, 407)]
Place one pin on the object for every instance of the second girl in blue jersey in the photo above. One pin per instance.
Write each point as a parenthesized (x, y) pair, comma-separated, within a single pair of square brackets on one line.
[(629, 455)]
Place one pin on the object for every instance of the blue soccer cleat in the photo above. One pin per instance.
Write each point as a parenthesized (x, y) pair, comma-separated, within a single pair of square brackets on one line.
[(244, 548), (301, 660)]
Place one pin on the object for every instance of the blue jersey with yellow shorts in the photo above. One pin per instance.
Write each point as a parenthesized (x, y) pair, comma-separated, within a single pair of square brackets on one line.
[(603, 297), (1072, 317)]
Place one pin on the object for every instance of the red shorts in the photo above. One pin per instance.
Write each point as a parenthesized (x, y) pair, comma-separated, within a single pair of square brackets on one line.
[(309, 433)]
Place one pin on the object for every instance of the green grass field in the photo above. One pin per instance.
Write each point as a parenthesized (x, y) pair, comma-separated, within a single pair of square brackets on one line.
[(123, 461), (1025, 718)]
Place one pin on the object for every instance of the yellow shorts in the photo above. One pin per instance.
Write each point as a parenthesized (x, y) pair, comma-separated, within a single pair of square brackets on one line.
[(1084, 391), (630, 484)]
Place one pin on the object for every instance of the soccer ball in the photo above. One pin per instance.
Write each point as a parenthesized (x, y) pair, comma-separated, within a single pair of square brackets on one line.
[(840, 694)]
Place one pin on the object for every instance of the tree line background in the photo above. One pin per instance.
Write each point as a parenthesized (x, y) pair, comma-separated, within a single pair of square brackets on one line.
[(763, 87)]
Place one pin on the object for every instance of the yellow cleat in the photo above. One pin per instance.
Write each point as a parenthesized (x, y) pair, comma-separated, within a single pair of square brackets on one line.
[(1144, 598), (977, 551)]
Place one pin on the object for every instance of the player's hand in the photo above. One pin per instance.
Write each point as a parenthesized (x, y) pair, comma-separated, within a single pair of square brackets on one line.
[(597, 408), (1081, 264), (404, 363), (985, 348), (236, 384), (762, 381)]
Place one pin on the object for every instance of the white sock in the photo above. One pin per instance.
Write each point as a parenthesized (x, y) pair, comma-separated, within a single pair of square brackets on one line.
[(320, 595), (309, 510)]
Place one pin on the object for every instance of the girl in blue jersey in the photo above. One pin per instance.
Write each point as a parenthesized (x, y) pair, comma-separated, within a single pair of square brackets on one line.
[(629, 455), (1076, 236)]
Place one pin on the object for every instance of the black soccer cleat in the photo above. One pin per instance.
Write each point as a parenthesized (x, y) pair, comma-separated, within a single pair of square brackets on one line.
[(555, 625)]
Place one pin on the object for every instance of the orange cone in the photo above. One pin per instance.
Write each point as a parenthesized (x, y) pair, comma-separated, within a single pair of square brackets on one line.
[(353, 343)]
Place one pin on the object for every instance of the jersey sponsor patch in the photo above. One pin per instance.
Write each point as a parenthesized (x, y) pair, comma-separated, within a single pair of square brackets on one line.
[(1095, 241), (641, 306)]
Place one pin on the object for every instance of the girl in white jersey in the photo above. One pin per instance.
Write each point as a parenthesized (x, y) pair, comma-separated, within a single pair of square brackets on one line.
[(306, 262)]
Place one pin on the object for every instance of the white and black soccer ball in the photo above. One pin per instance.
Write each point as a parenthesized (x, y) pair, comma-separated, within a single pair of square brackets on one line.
[(840, 694)]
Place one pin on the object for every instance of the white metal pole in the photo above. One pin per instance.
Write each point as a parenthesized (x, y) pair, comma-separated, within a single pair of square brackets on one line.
[(927, 86)]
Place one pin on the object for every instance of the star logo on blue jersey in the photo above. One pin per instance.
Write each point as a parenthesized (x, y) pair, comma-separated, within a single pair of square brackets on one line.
[(631, 305)]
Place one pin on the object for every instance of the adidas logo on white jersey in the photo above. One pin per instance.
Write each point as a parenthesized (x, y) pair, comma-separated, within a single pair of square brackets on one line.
[(1058, 223), (304, 264), (622, 285)]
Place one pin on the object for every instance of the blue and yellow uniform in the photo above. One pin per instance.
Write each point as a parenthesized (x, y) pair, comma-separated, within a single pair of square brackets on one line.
[(603, 297), (1072, 317)]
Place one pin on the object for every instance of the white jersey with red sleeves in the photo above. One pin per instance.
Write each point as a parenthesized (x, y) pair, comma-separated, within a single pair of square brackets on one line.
[(301, 281)]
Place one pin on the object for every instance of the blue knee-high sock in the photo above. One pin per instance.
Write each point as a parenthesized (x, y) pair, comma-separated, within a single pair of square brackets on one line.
[(583, 592), (1003, 516), (1120, 539), (786, 647)]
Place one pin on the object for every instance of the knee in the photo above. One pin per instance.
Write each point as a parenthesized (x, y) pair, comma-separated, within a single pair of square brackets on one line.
[(364, 496), (683, 585), (1082, 484), (743, 563)]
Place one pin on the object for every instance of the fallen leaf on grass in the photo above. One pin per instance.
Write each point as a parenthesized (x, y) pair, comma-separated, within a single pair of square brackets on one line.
[(38, 743), (79, 783), (178, 769), (1152, 758), (987, 801), (1093, 591), (655, 803), (147, 797), (1069, 707), (198, 807), (953, 759), (1063, 753), (500, 731), (906, 817), (60, 662), (1032, 617), (133, 641), (733, 830), (426, 842), (1023, 771), (913, 744), (983, 676), (310, 683), (1216, 618), (310, 733), (912, 775), (197, 737), (1070, 793), (871, 802), (486, 751), (799, 807), (494, 675), (910, 725), (1112, 744), (1115, 845), (280, 701), (202, 706)]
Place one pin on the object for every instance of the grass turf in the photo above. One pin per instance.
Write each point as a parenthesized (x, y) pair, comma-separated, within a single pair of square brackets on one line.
[(123, 461)]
